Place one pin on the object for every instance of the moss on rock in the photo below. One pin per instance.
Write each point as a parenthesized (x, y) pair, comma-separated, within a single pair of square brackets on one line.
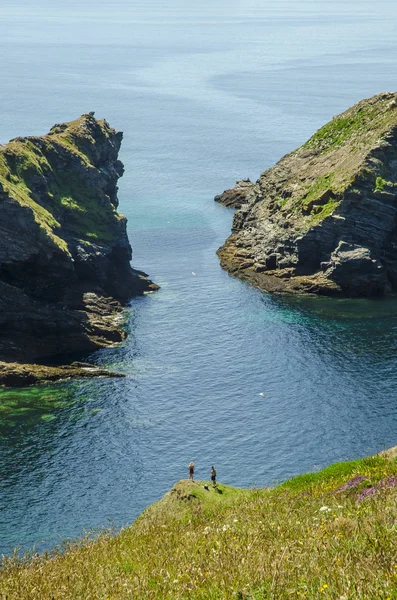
[(64, 252), (340, 187)]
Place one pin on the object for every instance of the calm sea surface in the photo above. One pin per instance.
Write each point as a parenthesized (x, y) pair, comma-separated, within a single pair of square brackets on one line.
[(262, 387)]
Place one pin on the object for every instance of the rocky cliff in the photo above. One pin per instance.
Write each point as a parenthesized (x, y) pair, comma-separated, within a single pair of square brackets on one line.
[(64, 253), (323, 219)]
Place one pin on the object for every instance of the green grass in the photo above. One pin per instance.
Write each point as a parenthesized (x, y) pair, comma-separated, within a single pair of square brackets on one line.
[(380, 184), (337, 131), (82, 210), (334, 159), (18, 163), (323, 212), (65, 203), (361, 125), (318, 187), (303, 539)]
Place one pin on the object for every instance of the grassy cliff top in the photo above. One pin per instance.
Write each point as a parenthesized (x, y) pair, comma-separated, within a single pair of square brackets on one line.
[(68, 180), (362, 124), (334, 159), (330, 534)]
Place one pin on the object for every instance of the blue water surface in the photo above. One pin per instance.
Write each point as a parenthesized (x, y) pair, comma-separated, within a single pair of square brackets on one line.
[(217, 372)]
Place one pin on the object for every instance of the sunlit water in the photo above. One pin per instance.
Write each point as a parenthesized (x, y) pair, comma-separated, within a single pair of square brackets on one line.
[(219, 373)]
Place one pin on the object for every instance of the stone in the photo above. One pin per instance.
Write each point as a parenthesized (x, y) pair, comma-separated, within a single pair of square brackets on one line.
[(326, 213), (24, 375), (65, 272), (237, 196)]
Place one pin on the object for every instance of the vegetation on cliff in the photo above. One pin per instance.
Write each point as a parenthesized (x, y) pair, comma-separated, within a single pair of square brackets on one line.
[(34, 172), (64, 252), (322, 220), (330, 534)]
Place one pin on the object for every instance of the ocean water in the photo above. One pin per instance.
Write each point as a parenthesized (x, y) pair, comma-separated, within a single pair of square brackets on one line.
[(262, 387)]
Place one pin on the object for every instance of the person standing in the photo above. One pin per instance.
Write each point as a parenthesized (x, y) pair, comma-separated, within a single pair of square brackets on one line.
[(213, 475), (191, 470)]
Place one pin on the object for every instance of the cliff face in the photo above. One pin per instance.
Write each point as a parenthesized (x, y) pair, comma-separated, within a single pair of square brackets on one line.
[(64, 253), (323, 219)]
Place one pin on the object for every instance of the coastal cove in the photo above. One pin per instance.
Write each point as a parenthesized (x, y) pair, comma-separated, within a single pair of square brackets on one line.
[(216, 371)]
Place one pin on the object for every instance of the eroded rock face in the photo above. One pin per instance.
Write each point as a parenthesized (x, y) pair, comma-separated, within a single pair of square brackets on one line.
[(237, 196), (323, 219), (64, 253)]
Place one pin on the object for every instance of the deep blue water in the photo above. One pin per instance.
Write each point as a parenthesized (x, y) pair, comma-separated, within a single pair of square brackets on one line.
[(219, 373)]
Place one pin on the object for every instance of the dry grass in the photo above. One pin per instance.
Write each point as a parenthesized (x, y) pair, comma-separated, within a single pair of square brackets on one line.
[(304, 539)]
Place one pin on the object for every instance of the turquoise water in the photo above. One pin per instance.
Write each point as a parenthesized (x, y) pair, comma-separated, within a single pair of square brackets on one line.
[(219, 373)]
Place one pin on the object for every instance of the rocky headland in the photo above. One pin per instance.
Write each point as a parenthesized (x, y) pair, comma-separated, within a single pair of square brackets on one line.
[(65, 271), (323, 219), (328, 534)]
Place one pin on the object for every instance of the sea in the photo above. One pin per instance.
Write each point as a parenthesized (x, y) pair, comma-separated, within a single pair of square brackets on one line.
[(262, 387)]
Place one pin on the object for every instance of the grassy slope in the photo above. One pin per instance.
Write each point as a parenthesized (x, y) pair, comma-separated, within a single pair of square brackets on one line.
[(68, 201), (303, 539), (340, 150)]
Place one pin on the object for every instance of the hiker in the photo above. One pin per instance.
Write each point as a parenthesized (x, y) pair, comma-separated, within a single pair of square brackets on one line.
[(213, 475), (191, 470)]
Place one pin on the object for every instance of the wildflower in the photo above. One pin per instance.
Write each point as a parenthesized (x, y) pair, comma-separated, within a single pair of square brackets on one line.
[(325, 509), (235, 520), (352, 483), (365, 493)]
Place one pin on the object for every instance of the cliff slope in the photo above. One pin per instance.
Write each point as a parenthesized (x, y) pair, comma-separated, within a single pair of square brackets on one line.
[(64, 253), (323, 219), (329, 534)]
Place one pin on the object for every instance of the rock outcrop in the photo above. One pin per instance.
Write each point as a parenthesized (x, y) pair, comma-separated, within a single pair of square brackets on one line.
[(323, 219), (24, 375), (65, 269), (241, 194)]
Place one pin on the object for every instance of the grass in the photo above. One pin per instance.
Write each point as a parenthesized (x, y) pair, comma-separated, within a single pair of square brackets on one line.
[(306, 538), (50, 177), (348, 137), (19, 163), (318, 187), (82, 209), (380, 184), (335, 132), (352, 123)]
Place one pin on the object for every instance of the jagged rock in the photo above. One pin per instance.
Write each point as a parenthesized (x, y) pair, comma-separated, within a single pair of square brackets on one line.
[(323, 219), (23, 375), (65, 269), (237, 196)]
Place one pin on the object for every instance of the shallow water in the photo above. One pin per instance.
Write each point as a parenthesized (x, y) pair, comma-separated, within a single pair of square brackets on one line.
[(263, 387)]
